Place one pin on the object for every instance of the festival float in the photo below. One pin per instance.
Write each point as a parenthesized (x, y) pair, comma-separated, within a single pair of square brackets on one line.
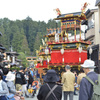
[(59, 48)]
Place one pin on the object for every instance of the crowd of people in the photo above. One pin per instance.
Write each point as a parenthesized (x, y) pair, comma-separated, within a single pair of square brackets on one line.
[(51, 90), (17, 84), (22, 83)]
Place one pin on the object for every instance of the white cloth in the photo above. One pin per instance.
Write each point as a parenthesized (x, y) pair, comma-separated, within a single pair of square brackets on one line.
[(1, 89)]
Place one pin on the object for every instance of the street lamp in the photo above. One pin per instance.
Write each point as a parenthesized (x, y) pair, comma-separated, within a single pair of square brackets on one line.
[(80, 50), (90, 52)]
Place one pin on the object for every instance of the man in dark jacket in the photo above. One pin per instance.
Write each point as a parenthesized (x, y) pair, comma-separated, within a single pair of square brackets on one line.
[(50, 78), (86, 88), (19, 79)]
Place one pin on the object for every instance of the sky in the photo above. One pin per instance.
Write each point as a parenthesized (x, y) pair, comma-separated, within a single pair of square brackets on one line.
[(40, 10)]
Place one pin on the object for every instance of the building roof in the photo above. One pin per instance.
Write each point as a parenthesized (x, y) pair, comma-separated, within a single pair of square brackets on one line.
[(84, 22), (12, 53), (88, 13), (89, 37), (97, 2), (71, 15), (3, 48)]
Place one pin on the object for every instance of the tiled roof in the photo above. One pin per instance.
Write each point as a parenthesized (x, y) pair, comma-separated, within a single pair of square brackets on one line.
[(97, 2), (74, 14)]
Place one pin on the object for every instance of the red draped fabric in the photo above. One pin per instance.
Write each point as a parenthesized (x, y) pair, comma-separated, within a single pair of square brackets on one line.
[(83, 56), (70, 56), (38, 65), (44, 64), (56, 57)]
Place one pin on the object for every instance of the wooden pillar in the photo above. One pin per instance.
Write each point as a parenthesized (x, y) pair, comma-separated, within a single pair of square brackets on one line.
[(61, 31), (80, 30), (67, 35), (75, 29)]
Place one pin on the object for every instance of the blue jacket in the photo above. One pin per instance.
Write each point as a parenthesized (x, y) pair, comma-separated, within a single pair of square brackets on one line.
[(86, 88)]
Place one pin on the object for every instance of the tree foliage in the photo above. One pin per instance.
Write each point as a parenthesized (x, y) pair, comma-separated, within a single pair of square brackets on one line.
[(23, 58), (24, 35)]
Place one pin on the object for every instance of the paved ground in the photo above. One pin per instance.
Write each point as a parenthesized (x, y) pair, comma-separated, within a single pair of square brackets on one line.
[(75, 98)]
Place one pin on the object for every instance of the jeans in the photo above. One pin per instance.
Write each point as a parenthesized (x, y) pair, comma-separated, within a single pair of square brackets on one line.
[(70, 93)]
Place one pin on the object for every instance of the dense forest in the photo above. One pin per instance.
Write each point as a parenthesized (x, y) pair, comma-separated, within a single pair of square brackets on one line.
[(24, 35)]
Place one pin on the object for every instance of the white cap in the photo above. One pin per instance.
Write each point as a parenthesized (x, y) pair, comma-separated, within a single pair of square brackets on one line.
[(88, 64)]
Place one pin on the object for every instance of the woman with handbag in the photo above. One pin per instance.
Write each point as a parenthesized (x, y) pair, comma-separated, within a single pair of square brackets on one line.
[(3, 88), (10, 78)]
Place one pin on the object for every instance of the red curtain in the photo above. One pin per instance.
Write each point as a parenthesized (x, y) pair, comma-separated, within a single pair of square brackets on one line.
[(44, 64), (83, 56), (56, 57), (70, 56), (38, 65)]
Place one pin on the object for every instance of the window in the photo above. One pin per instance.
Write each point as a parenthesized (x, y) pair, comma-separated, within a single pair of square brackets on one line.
[(91, 22)]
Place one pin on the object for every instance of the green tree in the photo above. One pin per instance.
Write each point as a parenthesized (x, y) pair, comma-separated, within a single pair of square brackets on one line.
[(22, 57), (24, 47), (37, 41)]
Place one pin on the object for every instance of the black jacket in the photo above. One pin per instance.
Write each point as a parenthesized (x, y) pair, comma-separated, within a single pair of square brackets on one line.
[(44, 91), (20, 79)]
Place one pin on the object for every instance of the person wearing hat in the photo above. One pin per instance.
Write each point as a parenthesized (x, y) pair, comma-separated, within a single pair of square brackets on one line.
[(50, 80), (68, 81), (3, 88), (86, 88)]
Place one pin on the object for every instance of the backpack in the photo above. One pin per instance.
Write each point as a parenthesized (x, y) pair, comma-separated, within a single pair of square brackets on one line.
[(96, 88)]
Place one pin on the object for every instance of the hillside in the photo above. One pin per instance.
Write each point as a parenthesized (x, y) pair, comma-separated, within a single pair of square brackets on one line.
[(24, 35)]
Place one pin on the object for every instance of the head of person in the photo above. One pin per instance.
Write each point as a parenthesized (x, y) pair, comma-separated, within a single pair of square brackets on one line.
[(29, 72), (30, 69), (81, 70), (1, 75), (88, 66), (75, 73), (21, 69), (51, 76), (5, 71), (10, 76), (67, 67)]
